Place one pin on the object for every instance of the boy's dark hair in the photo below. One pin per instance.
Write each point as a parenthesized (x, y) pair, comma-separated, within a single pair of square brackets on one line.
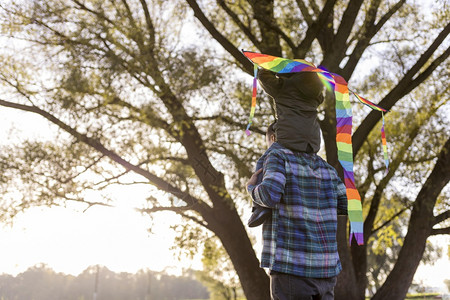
[(270, 130)]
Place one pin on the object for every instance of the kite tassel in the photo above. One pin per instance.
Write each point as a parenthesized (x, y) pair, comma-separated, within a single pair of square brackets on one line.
[(254, 91), (383, 140)]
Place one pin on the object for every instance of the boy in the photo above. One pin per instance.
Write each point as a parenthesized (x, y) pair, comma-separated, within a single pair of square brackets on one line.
[(296, 96)]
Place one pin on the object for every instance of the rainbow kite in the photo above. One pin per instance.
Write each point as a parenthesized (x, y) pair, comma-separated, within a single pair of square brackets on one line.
[(336, 83)]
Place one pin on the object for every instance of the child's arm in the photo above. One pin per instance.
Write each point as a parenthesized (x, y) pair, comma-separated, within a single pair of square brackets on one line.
[(269, 192), (269, 81), (342, 198)]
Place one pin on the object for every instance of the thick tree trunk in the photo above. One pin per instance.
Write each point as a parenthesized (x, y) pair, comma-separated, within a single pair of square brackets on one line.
[(420, 225), (228, 226), (346, 284), (359, 256)]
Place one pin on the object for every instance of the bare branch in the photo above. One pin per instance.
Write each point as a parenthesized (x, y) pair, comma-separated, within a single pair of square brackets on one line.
[(405, 86), (114, 179), (395, 163), (369, 30), (419, 161), (263, 11), (389, 41), (442, 217), (246, 30), (314, 6), (333, 57), (229, 121), (85, 170), (305, 12), (272, 25), (220, 38), (150, 27), (199, 222), (437, 231), (390, 219), (425, 74), (314, 29), (176, 209), (94, 143), (92, 204)]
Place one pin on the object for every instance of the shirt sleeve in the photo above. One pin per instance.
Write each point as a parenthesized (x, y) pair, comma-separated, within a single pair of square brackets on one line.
[(269, 81), (341, 198), (269, 192)]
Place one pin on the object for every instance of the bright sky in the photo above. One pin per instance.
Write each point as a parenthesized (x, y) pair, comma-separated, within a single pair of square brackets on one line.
[(68, 240)]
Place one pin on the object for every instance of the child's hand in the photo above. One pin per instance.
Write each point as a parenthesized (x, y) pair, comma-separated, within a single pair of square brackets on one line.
[(254, 179)]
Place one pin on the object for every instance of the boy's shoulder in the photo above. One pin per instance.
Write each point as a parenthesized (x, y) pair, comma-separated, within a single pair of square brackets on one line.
[(278, 150)]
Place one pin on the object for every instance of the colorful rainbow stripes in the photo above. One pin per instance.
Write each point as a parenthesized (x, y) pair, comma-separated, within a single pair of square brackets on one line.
[(255, 87), (344, 115), (383, 136)]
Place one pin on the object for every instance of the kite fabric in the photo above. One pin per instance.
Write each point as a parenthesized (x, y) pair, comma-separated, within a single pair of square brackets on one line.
[(336, 83)]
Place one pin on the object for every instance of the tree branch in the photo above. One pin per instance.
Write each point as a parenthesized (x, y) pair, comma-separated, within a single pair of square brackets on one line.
[(147, 115), (85, 170), (144, 49), (437, 231), (390, 219), (313, 29), (221, 39), (441, 217), (242, 168), (263, 11), (176, 209), (434, 184), (94, 143), (314, 6), (419, 229), (305, 12), (395, 163), (405, 85), (114, 179), (424, 75), (246, 30), (337, 52), (272, 25), (369, 21), (370, 30), (150, 27), (199, 222), (230, 121)]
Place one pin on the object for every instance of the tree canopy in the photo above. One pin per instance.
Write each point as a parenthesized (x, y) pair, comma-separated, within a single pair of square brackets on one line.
[(157, 93)]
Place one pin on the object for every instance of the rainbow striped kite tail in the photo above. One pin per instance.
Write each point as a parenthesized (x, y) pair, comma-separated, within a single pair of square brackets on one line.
[(247, 131), (255, 88), (385, 152), (356, 231)]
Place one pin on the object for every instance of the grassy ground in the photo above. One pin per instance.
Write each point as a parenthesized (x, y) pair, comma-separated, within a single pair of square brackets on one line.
[(425, 296)]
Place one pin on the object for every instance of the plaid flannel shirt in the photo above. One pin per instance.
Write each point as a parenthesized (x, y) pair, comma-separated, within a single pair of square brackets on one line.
[(305, 194)]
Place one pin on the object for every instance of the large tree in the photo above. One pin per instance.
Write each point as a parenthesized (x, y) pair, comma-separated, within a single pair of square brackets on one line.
[(155, 88)]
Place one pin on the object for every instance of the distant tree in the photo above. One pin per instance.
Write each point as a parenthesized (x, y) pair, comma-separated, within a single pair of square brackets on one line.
[(42, 283), (447, 283), (218, 275)]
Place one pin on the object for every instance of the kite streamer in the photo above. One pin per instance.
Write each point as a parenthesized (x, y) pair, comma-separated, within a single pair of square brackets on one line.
[(383, 139), (336, 83), (383, 136), (255, 88)]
